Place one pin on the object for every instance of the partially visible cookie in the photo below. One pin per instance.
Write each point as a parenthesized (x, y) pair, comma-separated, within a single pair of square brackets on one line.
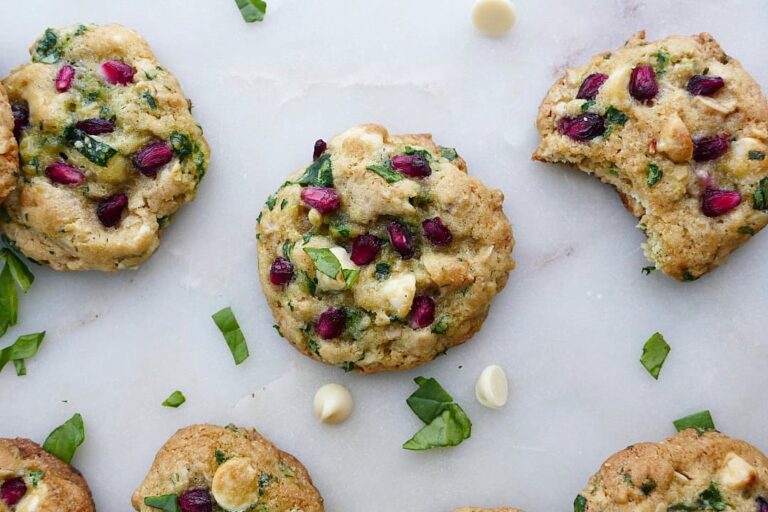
[(688, 471), (680, 129), (383, 253), (109, 150), (9, 150), (472, 509), (233, 468), (31, 479)]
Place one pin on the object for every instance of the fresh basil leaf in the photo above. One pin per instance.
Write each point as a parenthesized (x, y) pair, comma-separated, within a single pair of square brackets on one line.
[(386, 172), (701, 421), (35, 476), (20, 272), (47, 50), (615, 116), (325, 261), (746, 230), (430, 400), (350, 276), (271, 201), (441, 326), (756, 155), (654, 174), (227, 323), (580, 504), (410, 150), (449, 153), (65, 439), (149, 99), (313, 346), (662, 61), (21, 367), (450, 428), (587, 105), (655, 352), (711, 498), (220, 456), (648, 486), (264, 481), (319, 173), (175, 400), (356, 322), (166, 502), (91, 148), (308, 284), (252, 10), (182, 145), (382, 271), (24, 347), (647, 270), (760, 200), (9, 300)]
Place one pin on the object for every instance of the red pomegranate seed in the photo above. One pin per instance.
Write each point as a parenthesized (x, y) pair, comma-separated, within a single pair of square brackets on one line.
[(281, 271), (322, 199), (704, 85), (401, 239), (95, 126), (116, 72), (20, 118), (711, 147), (717, 202), (110, 210), (436, 232), (422, 312), (64, 78), (762, 504), (582, 128), (331, 323), (12, 491), (320, 147), (365, 248), (642, 83), (63, 174), (415, 166), (152, 157), (196, 500), (591, 86)]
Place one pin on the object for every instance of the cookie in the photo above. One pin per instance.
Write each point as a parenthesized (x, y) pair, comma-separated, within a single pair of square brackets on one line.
[(472, 509), (688, 471), (383, 253), (33, 479), (681, 131), (9, 151), (109, 150), (234, 468)]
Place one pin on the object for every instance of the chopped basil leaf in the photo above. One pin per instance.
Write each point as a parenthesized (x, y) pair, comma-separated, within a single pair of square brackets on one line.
[(410, 150), (709, 499), (149, 99), (308, 284), (688, 277), (441, 326), (587, 105), (91, 148), (429, 400), (580, 504), (350, 276), (313, 346), (449, 153), (36, 476), (746, 230), (386, 172), (252, 10), (756, 155), (655, 352), (264, 480), (647, 270), (166, 503), (382, 271), (319, 173), (615, 116), (9, 300), (648, 486), (182, 145), (357, 321), (19, 270), (47, 50), (325, 261), (24, 347), (277, 328), (220, 456), (451, 428), (176, 399), (662, 61), (760, 201), (227, 323), (347, 366), (271, 201), (654, 174), (65, 439), (701, 421)]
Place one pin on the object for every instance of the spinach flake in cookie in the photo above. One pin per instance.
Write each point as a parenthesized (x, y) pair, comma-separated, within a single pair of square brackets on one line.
[(382, 253)]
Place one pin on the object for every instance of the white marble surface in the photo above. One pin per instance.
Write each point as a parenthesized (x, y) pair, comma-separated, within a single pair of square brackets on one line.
[(568, 329)]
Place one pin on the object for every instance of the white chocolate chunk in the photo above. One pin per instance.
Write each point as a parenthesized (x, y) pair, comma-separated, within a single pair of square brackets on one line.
[(33, 500), (491, 389), (493, 17), (737, 473), (333, 403), (315, 217), (235, 484), (326, 283), (675, 140), (399, 292), (614, 91)]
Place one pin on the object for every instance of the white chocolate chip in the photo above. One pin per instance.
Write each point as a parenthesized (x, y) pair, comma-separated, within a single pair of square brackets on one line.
[(333, 403), (491, 389), (235, 484), (315, 217), (675, 140), (737, 473), (33, 500), (399, 292), (493, 17)]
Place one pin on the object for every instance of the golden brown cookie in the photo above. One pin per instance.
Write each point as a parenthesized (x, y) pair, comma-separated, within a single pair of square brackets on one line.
[(473, 509), (109, 150), (231, 467), (383, 253), (680, 129), (688, 471), (9, 151), (32, 479)]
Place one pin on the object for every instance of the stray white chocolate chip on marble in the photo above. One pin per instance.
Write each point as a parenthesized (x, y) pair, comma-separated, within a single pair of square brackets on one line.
[(491, 389), (333, 403), (493, 17)]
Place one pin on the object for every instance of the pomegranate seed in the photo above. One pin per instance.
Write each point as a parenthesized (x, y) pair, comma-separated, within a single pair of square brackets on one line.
[(152, 157), (331, 323), (415, 166), (63, 174), (196, 500), (322, 199), (64, 78), (20, 118), (717, 202), (642, 83), (110, 210), (436, 232), (12, 491), (710, 148), (401, 239), (116, 72), (591, 86), (422, 312), (582, 128), (704, 85), (365, 248), (320, 147), (281, 271), (762, 504), (95, 126)]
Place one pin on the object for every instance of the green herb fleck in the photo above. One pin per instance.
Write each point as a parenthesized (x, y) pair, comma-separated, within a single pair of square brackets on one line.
[(182, 145), (319, 173), (47, 50), (410, 150), (264, 480), (175, 400), (65, 439), (36, 476), (149, 99), (166, 502), (655, 352), (313, 347), (308, 284), (648, 486), (654, 174), (271, 201), (662, 61), (446, 422), (627, 478), (220, 456), (356, 321), (252, 10), (746, 230), (283, 203), (647, 270), (441, 326), (279, 332), (615, 116), (93, 149), (756, 155), (227, 323), (580, 504), (325, 261), (760, 200), (382, 271), (448, 153), (288, 249), (80, 30), (701, 421), (688, 277), (587, 105), (347, 366), (386, 172)]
